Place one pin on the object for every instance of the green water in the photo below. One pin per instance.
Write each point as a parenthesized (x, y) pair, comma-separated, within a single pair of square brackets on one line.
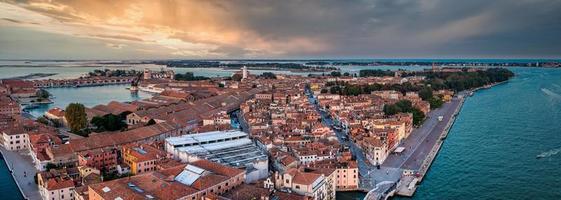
[(491, 150)]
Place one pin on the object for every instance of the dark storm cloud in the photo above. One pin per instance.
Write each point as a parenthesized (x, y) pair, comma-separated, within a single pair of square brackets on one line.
[(314, 28)]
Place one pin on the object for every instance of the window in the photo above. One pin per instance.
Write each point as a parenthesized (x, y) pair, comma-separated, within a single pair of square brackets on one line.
[(297, 187)]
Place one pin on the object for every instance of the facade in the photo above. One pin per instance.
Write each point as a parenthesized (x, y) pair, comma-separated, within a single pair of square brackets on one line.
[(8, 106), (58, 184), (15, 138), (102, 159), (317, 186), (142, 158)]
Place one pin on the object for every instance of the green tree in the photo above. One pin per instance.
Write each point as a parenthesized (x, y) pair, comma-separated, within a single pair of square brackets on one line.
[(435, 102), (150, 122), (42, 94), (425, 93), (237, 77), (75, 114), (335, 73), (391, 109)]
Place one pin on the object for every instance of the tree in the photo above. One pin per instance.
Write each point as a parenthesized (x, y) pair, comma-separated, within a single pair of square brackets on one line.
[(425, 93), (237, 77), (151, 122), (405, 106), (335, 73), (268, 75), (189, 76), (109, 122), (391, 109), (75, 114), (435, 102), (42, 94)]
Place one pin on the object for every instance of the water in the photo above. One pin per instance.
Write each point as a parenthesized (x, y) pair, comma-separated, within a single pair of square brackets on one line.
[(89, 96), (75, 69), (350, 195), (491, 150), (8, 188)]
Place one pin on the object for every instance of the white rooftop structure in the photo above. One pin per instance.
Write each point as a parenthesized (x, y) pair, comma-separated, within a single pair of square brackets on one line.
[(189, 175), (205, 138), (233, 148)]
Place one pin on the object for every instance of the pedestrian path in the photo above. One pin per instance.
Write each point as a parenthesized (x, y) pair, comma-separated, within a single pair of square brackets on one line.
[(23, 171)]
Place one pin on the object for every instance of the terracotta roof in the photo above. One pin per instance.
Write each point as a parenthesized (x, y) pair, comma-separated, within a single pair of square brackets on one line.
[(303, 178), (143, 152), (114, 139), (59, 183), (56, 112)]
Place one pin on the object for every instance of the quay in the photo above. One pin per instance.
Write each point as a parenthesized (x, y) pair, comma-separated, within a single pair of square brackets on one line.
[(82, 82), (23, 172), (408, 185)]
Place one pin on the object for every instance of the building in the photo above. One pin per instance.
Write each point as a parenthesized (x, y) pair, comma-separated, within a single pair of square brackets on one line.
[(58, 184), (142, 157), (15, 138), (245, 73), (8, 106), (104, 159), (65, 154), (315, 185), (196, 180), (231, 148)]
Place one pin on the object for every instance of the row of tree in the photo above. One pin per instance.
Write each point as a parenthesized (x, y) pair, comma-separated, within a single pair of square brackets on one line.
[(189, 76), (343, 88), (405, 106), (464, 80), (375, 72)]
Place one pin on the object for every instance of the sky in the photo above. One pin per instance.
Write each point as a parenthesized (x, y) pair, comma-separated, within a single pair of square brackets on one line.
[(273, 29)]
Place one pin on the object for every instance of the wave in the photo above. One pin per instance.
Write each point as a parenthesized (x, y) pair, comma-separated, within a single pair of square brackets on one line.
[(551, 93), (557, 86), (549, 153)]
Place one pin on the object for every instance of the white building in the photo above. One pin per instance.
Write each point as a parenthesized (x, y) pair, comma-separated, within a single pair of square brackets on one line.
[(57, 189), (15, 139), (232, 148), (245, 73), (317, 186)]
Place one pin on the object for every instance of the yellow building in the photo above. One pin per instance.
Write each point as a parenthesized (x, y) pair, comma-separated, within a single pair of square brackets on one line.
[(142, 158)]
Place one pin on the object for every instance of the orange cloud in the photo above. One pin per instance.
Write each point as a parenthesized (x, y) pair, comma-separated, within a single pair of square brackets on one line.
[(191, 28)]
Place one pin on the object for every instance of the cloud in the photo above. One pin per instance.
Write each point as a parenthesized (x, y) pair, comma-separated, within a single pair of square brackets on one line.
[(115, 46), (301, 29)]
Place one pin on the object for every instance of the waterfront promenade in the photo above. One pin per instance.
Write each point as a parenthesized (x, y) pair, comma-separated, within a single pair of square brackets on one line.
[(21, 168), (421, 147)]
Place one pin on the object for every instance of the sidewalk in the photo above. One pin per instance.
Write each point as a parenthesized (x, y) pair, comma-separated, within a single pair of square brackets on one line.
[(18, 163)]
